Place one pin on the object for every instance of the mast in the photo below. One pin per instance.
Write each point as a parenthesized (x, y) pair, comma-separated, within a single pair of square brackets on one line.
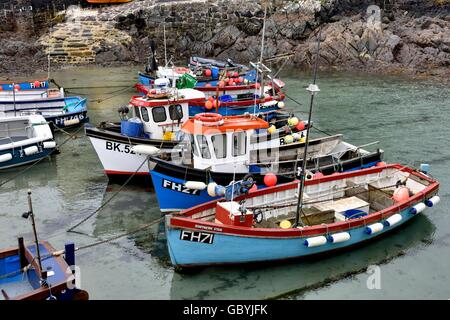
[(313, 89), (165, 44), (26, 215), (14, 97)]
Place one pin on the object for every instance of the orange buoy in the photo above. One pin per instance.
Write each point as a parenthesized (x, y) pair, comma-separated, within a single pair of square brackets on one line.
[(221, 84), (208, 85), (16, 87), (216, 104), (401, 194), (236, 74), (381, 164), (257, 85), (253, 188), (270, 179), (37, 84), (208, 105)]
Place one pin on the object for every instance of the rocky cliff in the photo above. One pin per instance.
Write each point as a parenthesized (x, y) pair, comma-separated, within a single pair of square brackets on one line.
[(380, 36)]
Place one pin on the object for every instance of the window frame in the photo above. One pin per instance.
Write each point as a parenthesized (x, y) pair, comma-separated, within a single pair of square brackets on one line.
[(235, 135), (176, 106), (224, 144), (145, 118), (206, 144), (153, 114)]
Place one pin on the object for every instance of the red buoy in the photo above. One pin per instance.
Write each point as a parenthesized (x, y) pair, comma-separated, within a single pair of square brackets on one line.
[(207, 72), (16, 87), (236, 74), (37, 84), (221, 84), (401, 194), (270, 179), (208, 85), (300, 126), (381, 164), (317, 175)]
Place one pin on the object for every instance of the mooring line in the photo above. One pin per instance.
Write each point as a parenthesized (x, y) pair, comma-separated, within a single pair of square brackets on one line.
[(71, 229), (38, 161)]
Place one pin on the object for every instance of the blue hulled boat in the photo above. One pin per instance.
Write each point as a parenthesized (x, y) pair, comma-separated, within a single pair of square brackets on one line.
[(238, 147), (24, 85), (60, 112), (22, 277), (24, 139), (339, 212)]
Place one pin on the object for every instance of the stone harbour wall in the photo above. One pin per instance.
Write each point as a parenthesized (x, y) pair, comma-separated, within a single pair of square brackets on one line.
[(397, 35)]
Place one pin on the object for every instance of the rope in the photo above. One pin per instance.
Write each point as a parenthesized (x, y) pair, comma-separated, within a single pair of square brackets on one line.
[(71, 229), (145, 226), (38, 161)]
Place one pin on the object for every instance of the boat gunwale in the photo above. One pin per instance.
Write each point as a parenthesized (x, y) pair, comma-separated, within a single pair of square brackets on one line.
[(182, 219)]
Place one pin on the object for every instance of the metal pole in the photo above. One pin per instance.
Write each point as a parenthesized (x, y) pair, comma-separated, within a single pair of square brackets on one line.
[(14, 97), (38, 253), (312, 89), (165, 45)]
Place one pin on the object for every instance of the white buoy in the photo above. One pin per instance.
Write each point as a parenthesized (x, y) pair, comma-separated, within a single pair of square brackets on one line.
[(49, 144), (71, 122), (281, 105), (212, 189), (30, 150), (374, 228), (6, 157), (394, 219), (432, 201), (144, 149), (339, 237), (308, 175), (315, 241), (195, 185), (418, 208)]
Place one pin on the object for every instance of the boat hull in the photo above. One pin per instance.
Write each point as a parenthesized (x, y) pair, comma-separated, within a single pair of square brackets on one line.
[(233, 249), (114, 151), (19, 158)]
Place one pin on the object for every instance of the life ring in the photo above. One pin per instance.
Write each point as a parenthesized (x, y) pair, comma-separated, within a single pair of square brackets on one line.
[(181, 70), (209, 119)]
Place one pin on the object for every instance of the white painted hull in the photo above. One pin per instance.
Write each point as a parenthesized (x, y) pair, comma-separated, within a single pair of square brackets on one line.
[(118, 159)]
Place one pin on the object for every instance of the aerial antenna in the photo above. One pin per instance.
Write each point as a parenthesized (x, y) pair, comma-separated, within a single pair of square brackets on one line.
[(313, 89), (165, 44)]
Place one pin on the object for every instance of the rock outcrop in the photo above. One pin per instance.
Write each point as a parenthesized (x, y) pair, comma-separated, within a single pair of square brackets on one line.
[(398, 35)]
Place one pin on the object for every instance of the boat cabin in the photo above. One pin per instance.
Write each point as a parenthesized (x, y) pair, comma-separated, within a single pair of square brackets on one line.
[(163, 112), (221, 143)]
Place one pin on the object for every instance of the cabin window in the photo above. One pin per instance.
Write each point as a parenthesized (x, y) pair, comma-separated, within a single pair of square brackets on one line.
[(176, 112), (239, 144), (159, 114), (203, 146), (136, 112), (193, 146), (220, 145), (144, 114)]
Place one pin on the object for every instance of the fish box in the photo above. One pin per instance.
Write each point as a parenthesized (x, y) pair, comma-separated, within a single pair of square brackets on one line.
[(346, 208), (131, 128), (228, 213)]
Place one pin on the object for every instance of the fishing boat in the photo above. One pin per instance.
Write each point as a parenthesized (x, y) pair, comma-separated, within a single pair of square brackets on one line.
[(339, 211), (21, 277), (238, 147), (155, 122), (24, 139), (60, 112), (37, 271), (23, 85)]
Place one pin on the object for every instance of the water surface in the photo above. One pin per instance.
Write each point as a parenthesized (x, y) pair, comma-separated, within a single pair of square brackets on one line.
[(409, 117)]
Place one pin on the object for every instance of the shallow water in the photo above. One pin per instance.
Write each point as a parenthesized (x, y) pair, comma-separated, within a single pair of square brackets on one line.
[(409, 117)]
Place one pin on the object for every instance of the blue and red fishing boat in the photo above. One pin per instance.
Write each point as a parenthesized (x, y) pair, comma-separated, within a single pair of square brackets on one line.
[(219, 150), (339, 211), (37, 271)]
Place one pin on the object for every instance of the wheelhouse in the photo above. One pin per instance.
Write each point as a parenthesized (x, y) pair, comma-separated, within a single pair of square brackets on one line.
[(221, 143), (163, 116)]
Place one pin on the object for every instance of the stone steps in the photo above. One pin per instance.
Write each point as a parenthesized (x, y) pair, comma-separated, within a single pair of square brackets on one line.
[(74, 41)]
